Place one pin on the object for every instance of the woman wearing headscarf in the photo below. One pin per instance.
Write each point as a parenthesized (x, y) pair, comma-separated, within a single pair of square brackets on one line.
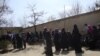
[(57, 40), (94, 38), (19, 41), (64, 40), (47, 42), (99, 31), (76, 40), (90, 36)]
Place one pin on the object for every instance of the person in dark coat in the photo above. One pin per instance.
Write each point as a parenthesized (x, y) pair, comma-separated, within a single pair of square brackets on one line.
[(28, 37), (95, 37), (48, 42), (99, 31), (76, 42), (14, 41), (40, 36), (57, 38), (23, 36), (64, 40), (19, 41), (37, 36), (98, 41), (69, 36), (52, 34)]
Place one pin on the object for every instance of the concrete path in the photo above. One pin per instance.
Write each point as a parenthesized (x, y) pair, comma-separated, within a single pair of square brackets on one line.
[(37, 50)]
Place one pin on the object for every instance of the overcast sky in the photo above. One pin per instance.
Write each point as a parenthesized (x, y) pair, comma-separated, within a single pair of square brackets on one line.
[(51, 7)]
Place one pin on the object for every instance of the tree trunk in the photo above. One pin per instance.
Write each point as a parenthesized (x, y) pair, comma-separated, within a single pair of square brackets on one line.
[(35, 29)]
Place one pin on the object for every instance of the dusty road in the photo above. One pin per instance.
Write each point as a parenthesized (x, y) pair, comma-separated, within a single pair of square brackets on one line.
[(37, 50)]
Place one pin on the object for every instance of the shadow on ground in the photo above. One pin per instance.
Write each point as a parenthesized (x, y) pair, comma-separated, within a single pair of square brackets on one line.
[(65, 52), (17, 50), (5, 51), (57, 52), (79, 54)]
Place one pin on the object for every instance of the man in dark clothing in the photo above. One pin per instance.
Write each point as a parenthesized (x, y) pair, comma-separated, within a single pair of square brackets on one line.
[(94, 38), (23, 36), (52, 34), (14, 41), (98, 41), (99, 31), (40, 36), (69, 36), (28, 37), (48, 42), (37, 36), (76, 42), (57, 40), (64, 40), (19, 41)]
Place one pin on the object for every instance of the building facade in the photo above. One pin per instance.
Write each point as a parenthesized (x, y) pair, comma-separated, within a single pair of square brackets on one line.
[(4, 30)]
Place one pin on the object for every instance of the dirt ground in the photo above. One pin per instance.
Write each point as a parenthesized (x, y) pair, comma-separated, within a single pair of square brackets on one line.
[(37, 50)]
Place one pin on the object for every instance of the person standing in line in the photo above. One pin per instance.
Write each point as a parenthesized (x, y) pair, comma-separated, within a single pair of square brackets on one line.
[(98, 42), (14, 42), (28, 37), (48, 42), (76, 42), (85, 34), (24, 39), (95, 37), (69, 36), (99, 31), (37, 36), (85, 30), (40, 35), (57, 40), (64, 39), (19, 41), (90, 36)]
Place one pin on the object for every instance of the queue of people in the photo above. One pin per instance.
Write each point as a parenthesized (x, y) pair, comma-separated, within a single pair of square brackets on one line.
[(92, 36), (60, 38), (18, 40), (64, 40)]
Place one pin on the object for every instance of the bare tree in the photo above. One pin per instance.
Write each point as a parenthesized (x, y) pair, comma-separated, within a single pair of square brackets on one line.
[(4, 9), (51, 18), (95, 6), (9, 23), (76, 9), (35, 16), (24, 22), (91, 8), (63, 14), (3, 22)]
